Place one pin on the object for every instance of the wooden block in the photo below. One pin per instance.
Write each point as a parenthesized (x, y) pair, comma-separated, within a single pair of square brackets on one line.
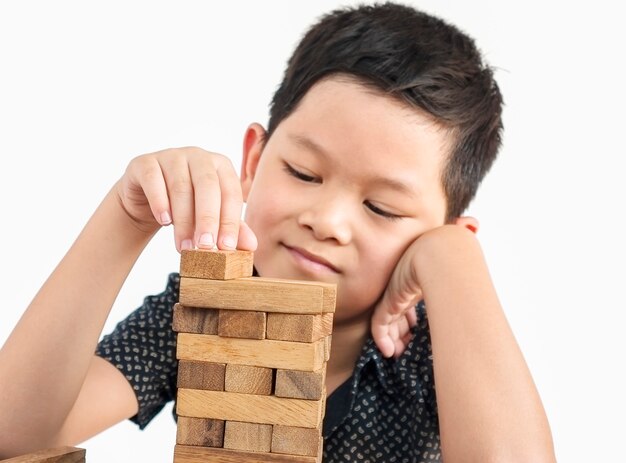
[(252, 437), (260, 294), (188, 454), (242, 324), (262, 409), (195, 320), (256, 352), (327, 345), (296, 441), (247, 379), (200, 431), (54, 455), (194, 374), (299, 327), (329, 295), (300, 384), (215, 264)]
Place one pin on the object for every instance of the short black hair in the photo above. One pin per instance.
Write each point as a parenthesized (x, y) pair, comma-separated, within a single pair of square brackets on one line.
[(415, 58)]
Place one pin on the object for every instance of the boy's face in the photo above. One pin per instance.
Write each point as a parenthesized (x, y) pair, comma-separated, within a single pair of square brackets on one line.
[(322, 190)]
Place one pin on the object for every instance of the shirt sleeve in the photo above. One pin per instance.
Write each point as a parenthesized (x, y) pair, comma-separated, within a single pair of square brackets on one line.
[(143, 348)]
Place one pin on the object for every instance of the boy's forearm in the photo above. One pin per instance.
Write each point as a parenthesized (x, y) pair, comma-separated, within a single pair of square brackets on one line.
[(44, 361), (489, 408)]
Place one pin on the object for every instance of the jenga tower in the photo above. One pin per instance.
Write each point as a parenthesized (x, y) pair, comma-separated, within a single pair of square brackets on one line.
[(252, 357)]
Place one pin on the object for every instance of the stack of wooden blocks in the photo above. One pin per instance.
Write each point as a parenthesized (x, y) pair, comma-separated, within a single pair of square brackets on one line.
[(252, 362)]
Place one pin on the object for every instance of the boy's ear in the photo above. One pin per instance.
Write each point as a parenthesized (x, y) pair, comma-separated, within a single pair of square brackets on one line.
[(468, 222), (253, 143)]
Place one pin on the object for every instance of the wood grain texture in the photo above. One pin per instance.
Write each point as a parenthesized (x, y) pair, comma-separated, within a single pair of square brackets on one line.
[(300, 384), (327, 345), (247, 379), (231, 406), (299, 327), (253, 437), (200, 431), (215, 264), (260, 294), (242, 324), (187, 454), (194, 374), (296, 441), (195, 320), (256, 352), (329, 295), (53, 455)]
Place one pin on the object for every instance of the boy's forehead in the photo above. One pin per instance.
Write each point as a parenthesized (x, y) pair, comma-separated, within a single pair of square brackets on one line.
[(344, 91), (343, 112)]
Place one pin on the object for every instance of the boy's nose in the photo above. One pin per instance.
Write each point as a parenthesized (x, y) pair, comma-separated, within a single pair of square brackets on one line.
[(328, 218)]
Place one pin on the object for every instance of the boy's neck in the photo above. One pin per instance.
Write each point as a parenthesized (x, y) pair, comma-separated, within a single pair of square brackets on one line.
[(347, 343)]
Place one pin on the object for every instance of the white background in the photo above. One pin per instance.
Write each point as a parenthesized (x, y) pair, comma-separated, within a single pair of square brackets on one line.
[(84, 87)]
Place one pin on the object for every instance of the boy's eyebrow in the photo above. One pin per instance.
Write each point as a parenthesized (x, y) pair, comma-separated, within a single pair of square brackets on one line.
[(312, 146)]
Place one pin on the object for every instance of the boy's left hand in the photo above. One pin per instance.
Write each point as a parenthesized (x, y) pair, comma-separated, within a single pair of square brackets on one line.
[(394, 314)]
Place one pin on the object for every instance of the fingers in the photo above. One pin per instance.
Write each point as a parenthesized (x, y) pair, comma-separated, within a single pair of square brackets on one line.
[(152, 183), (392, 332), (142, 192), (403, 334), (385, 331), (411, 317), (181, 190), (205, 199), (218, 204), (383, 340), (232, 203), (197, 191)]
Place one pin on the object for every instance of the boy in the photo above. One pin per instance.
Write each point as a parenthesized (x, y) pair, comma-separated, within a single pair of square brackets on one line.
[(384, 125)]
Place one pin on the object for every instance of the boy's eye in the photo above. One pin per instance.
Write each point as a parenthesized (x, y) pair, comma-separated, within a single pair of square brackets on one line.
[(299, 175), (307, 178), (385, 214)]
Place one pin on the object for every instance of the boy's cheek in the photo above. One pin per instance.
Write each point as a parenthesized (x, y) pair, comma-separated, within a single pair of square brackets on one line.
[(262, 209), (368, 286)]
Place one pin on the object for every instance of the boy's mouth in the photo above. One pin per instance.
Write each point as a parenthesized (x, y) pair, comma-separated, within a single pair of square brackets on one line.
[(310, 260)]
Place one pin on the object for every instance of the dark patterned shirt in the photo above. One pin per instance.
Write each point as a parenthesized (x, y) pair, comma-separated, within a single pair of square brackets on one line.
[(386, 412)]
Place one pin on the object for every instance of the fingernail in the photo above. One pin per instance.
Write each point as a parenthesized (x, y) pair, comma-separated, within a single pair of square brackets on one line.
[(186, 245), (165, 218), (229, 242), (206, 240)]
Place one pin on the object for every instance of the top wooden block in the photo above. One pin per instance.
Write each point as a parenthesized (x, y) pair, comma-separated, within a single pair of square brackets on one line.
[(216, 264)]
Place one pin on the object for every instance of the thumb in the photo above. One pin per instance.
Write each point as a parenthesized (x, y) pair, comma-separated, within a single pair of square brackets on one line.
[(247, 239)]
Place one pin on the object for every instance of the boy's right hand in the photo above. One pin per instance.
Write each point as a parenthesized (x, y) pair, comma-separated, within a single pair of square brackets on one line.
[(197, 191)]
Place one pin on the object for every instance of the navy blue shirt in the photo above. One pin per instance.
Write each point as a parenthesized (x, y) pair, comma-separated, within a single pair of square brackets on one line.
[(385, 412)]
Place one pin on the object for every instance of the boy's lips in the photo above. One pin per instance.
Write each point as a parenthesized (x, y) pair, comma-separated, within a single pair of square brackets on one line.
[(312, 257)]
